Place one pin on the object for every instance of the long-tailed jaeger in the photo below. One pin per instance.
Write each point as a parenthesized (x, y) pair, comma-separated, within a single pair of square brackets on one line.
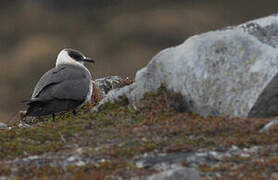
[(65, 87)]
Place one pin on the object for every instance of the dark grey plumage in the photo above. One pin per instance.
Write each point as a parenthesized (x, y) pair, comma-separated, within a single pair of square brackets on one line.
[(59, 89)]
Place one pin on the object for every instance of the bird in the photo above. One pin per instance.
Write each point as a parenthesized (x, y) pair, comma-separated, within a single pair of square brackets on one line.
[(65, 87)]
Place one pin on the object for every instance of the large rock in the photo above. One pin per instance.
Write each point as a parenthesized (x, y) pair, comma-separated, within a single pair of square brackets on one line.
[(230, 70)]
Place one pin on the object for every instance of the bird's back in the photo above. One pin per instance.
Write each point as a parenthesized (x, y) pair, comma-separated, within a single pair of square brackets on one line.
[(60, 89)]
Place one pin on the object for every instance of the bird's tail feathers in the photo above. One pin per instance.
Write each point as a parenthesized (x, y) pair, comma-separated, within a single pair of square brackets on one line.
[(30, 101)]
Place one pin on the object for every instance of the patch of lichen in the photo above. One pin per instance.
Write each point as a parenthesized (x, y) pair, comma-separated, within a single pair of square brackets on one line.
[(162, 124)]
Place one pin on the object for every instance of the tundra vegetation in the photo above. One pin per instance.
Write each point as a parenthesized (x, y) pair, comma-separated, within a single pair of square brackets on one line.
[(106, 144)]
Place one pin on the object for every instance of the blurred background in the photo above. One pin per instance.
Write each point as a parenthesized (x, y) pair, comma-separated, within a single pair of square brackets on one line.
[(121, 35)]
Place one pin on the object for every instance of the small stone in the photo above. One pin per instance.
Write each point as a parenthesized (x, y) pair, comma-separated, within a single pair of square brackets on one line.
[(244, 155), (177, 174), (71, 158), (80, 163), (140, 164), (3, 125), (234, 148)]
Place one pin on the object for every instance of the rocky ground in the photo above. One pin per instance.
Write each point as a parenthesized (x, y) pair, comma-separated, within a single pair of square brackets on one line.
[(124, 142)]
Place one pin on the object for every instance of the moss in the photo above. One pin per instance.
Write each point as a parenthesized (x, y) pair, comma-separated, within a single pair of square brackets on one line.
[(118, 133)]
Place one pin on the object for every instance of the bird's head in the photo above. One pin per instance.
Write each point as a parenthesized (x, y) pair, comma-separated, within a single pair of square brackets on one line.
[(72, 56)]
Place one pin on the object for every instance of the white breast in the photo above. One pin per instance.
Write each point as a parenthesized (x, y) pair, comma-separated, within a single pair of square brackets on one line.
[(89, 95)]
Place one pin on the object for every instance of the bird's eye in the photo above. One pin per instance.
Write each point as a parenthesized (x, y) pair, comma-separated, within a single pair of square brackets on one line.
[(75, 55)]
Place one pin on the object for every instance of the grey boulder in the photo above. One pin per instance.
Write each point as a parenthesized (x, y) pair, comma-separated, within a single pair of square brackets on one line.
[(230, 72)]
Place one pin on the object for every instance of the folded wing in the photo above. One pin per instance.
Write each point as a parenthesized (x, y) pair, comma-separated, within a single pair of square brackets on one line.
[(60, 89), (63, 82)]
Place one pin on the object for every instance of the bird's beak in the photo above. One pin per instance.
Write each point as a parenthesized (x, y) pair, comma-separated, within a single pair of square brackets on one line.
[(87, 59)]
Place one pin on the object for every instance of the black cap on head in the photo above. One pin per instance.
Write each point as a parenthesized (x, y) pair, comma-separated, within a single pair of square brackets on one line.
[(78, 56)]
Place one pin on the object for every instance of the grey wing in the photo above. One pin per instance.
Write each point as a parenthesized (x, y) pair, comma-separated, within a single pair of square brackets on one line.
[(62, 83), (68, 89), (50, 77)]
